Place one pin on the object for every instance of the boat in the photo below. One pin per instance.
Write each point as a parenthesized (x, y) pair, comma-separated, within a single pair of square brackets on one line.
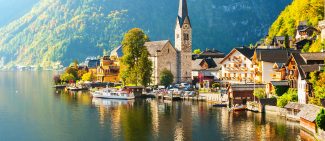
[(239, 108), (77, 88), (110, 94), (220, 105), (59, 86)]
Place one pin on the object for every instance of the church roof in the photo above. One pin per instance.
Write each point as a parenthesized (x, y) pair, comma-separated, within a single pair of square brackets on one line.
[(155, 46), (117, 51), (183, 12)]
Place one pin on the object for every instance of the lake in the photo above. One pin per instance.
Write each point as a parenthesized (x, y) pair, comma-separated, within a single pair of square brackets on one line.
[(31, 110)]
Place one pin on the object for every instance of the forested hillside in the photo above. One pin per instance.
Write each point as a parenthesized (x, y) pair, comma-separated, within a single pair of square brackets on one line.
[(64, 30), (311, 11)]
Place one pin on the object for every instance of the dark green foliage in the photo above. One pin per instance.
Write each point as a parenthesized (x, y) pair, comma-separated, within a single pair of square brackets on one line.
[(63, 30), (290, 96), (73, 71), (280, 90), (320, 119), (166, 78)]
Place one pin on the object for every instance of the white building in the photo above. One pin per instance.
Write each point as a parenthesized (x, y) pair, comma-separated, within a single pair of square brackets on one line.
[(237, 66)]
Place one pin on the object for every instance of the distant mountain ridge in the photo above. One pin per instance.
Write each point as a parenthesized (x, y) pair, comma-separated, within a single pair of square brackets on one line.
[(64, 30)]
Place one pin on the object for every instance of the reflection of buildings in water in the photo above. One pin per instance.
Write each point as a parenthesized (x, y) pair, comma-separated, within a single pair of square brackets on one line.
[(179, 133), (111, 108), (155, 118)]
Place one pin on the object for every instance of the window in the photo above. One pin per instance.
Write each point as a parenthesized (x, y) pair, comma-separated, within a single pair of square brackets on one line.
[(225, 65), (177, 36), (245, 65), (186, 37), (228, 59), (168, 50)]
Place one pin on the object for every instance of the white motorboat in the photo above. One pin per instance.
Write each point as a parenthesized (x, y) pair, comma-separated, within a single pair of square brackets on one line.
[(109, 94)]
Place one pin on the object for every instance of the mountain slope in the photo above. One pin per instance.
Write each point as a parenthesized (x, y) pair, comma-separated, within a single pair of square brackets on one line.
[(63, 30), (311, 11)]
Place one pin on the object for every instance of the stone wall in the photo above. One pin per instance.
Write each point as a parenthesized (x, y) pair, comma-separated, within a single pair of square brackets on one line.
[(167, 58)]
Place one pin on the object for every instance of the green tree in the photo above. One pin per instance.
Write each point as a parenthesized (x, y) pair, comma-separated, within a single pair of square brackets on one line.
[(136, 66), (197, 51), (290, 96), (145, 66), (318, 81), (260, 93), (88, 77), (166, 77), (320, 119), (66, 77), (73, 71), (280, 90)]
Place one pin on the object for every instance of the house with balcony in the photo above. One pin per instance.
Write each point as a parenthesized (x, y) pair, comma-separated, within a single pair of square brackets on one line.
[(298, 68), (270, 64), (237, 66)]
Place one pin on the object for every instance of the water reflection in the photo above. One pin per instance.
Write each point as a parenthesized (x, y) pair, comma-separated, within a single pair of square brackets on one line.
[(38, 112)]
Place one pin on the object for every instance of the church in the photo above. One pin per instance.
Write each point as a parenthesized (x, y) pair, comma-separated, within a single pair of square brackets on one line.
[(178, 58)]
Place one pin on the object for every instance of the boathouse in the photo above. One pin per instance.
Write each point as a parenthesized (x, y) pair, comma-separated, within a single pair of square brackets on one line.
[(308, 116), (242, 93)]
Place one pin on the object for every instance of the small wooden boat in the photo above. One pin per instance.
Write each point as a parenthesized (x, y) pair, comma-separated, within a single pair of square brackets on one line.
[(220, 105)]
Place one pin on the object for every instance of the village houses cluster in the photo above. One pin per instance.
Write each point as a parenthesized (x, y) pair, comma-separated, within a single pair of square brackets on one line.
[(239, 72)]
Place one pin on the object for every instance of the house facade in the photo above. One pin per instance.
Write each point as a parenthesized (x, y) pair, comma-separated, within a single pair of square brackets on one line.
[(206, 71), (299, 66), (237, 67), (108, 70), (268, 62)]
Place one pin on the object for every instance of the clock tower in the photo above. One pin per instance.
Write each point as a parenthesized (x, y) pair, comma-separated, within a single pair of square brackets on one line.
[(183, 43)]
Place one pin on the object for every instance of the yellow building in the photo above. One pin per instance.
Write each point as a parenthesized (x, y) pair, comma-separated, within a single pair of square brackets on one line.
[(108, 70)]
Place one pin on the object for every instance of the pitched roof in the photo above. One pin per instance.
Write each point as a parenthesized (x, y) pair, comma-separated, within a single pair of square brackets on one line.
[(183, 12), (306, 69), (273, 55), (309, 112), (247, 52), (313, 56), (294, 105), (155, 46), (117, 51), (196, 64), (280, 83)]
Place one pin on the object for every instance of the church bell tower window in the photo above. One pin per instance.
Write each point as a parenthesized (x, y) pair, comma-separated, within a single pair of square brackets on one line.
[(186, 37)]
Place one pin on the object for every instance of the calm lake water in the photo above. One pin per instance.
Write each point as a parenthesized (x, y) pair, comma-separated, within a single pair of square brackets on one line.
[(30, 110)]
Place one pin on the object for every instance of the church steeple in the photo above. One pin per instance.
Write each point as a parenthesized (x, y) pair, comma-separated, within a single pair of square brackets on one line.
[(183, 12)]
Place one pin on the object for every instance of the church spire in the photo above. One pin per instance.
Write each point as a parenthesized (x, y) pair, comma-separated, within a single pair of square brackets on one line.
[(182, 12)]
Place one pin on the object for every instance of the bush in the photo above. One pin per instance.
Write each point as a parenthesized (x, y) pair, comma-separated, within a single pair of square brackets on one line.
[(320, 119), (166, 78), (66, 77), (260, 93), (290, 96)]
